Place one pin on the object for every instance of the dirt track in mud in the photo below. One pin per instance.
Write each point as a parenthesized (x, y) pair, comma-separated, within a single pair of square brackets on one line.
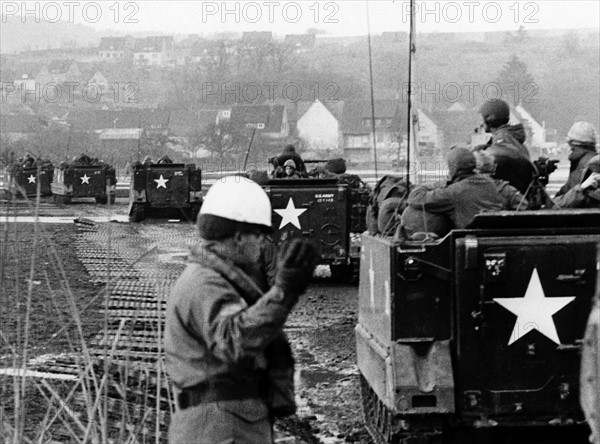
[(321, 328)]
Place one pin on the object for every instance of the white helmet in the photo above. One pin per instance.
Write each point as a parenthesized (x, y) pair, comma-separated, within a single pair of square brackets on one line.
[(582, 132), (238, 198)]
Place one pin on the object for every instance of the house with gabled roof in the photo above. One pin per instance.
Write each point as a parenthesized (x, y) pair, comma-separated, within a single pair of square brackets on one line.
[(153, 51), (537, 131), (319, 124), (61, 71), (430, 137), (269, 120), (453, 126), (357, 128), (116, 49)]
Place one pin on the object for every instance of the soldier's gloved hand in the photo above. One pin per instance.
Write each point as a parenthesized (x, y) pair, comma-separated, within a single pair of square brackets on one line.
[(296, 263)]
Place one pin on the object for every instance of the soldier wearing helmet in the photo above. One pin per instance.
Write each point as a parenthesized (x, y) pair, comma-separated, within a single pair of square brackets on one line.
[(506, 145), (582, 147), (289, 169), (230, 363), (465, 194), (289, 152)]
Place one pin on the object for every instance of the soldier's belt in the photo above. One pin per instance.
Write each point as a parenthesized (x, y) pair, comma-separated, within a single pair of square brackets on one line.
[(211, 391)]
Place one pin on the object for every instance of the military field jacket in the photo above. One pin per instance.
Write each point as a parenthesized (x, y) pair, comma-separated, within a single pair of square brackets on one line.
[(219, 323), (460, 200)]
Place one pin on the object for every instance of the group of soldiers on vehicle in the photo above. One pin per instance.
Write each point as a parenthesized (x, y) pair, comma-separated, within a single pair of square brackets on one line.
[(496, 176), (28, 161)]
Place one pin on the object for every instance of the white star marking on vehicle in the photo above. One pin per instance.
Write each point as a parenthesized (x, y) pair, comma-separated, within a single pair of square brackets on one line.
[(161, 183), (31, 179), (534, 311), (290, 214), (85, 179)]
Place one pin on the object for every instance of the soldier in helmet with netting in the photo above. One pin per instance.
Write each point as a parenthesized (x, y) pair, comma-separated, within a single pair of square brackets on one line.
[(226, 353)]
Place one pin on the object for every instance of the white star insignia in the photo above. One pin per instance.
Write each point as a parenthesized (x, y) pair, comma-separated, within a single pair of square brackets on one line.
[(31, 179), (85, 179), (534, 311), (290, 214), (161, 183)]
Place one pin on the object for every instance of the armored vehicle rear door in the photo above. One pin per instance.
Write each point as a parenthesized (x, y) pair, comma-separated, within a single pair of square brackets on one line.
[(88, 181), (522, 303), (316, 213), (28, 179), (167, 186)]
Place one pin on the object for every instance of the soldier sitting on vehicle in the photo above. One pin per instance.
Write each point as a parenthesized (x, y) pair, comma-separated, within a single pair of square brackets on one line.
[(512, 198), (289, 152), (512, 157), (82, 160), (147, 161), (332, 169), (585, 194), (466, 193), (28, 161), (164, 160), (289, 169), (582, 147)]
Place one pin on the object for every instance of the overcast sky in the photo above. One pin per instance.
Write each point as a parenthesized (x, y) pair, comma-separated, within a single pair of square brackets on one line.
[(346, 17)]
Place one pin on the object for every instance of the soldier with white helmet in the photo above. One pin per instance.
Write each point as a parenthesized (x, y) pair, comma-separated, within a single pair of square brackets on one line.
[(226, 354), (582, 143)]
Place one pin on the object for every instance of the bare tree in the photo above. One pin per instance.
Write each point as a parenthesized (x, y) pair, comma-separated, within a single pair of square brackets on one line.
[(283, 57)]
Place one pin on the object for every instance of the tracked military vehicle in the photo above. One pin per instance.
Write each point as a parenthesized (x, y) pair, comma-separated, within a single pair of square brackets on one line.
[(479, 333), (84, 177), (26, 177), (165, 190), (330, 210)]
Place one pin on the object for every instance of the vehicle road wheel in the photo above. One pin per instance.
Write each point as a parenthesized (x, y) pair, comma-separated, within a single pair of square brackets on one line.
[(346, 273), (101, 200), (62, 199), (194, 210), (137, 212)]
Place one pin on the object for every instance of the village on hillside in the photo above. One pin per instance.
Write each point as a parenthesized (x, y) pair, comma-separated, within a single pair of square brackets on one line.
[(131, 97)]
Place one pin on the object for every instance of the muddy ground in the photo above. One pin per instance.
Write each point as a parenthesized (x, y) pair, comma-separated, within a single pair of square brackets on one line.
[(321, 327)]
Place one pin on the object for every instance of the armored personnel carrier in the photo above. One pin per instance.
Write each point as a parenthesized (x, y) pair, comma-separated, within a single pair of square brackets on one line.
[(468, 337), (163, 190), (329, 209), (26, 176), (84, 177)]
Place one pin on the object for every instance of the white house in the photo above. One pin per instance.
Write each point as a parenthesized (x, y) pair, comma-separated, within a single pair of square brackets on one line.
[(538, 132), (430, 135), (319, 127), (26, 83), (153, 51)]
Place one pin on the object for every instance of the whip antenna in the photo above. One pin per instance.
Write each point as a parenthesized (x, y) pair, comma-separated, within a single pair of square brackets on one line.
[(373, 126), (411, 119)]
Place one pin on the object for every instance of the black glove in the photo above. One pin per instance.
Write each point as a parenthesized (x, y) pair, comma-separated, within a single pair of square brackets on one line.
[(296, 263)]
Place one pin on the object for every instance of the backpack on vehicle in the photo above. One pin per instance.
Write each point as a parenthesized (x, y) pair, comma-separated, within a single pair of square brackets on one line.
[(387, 187)]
